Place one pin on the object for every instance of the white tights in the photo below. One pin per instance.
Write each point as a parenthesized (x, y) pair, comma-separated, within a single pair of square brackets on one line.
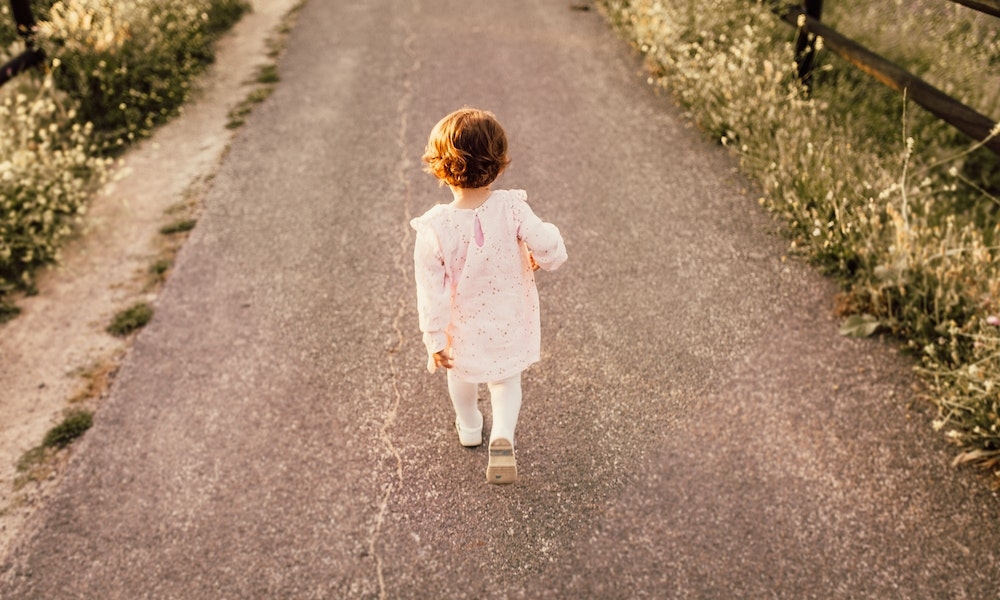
[(505, 398)]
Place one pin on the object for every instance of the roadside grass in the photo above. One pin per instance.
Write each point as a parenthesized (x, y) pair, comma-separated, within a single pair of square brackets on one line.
[(8, 311), (872, 189), (172, 236), (142, 62), (237, 116), (45, 460), (97, 380), (42, 461), (159, 269), (73, 425), (181, 226), (130, 319), (58, 159), (36, 465), (115, 70), (267, 75)]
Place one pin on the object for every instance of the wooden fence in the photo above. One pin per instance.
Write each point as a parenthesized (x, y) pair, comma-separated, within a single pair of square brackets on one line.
[(806, 18)]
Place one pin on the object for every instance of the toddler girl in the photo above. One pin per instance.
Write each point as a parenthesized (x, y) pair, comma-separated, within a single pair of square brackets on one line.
[(476, 297)]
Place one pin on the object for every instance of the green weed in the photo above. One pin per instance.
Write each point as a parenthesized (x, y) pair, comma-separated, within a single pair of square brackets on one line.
[(267, 74), (159, 268), (237, 116), (74, 424), (129, 320), (8, 311), (180, 226), (42, 461)]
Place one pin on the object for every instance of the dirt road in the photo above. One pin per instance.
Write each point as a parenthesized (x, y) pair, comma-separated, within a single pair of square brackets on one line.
[(696, 428)]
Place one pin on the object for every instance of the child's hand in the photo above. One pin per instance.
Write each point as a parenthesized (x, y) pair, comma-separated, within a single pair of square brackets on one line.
[(443, 359), (534, 265)]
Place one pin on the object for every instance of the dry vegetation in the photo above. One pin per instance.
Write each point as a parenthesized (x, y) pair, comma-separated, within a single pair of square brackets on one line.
[(901, 209)]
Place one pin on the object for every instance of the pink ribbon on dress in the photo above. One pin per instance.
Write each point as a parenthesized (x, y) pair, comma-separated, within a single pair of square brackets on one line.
[(479, 233)]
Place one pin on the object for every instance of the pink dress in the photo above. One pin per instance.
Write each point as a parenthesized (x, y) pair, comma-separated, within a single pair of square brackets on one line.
[(475, 283)]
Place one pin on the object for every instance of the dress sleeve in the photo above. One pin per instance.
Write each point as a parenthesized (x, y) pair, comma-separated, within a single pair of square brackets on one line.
[(543, 239), (433, 289)]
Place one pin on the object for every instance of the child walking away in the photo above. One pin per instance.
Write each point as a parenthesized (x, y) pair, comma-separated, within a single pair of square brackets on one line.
[(475, 260)]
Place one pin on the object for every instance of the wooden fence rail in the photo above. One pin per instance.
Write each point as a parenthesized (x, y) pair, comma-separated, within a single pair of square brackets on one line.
[(964, 118), (990, 7)]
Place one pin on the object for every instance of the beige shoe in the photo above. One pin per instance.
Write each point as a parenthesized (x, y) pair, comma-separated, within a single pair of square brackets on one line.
[(502, 467)]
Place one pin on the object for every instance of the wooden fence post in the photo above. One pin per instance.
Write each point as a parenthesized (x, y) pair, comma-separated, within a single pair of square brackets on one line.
[(805, 43), (26, 29), (24, 19)]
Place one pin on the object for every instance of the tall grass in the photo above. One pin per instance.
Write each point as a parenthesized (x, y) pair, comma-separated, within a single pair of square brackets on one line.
[(115, 70), (875, 191), (49, 169), (129, 65)]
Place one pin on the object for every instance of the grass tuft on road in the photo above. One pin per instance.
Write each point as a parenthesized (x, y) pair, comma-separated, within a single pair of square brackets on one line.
[(131, 319)]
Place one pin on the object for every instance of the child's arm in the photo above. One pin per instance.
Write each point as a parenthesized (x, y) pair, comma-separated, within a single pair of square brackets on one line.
[(433, 298), (547, 249)]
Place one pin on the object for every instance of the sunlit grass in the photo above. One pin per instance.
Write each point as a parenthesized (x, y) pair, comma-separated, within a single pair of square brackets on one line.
[(116, 69), (878, 193)]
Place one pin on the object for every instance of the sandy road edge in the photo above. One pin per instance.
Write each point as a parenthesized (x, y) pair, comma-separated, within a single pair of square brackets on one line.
[(51, 351)]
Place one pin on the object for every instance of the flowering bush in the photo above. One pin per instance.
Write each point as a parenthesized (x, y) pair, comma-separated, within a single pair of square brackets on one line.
[(117, 69), (130, 64), (48, 171), (898, 208)]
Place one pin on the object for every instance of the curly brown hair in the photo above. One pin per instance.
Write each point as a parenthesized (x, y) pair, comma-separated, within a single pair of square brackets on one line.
[(467, 149)]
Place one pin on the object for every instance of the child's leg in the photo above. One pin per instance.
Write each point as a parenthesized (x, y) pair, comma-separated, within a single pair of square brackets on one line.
[(463, 397), (505, 397)]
